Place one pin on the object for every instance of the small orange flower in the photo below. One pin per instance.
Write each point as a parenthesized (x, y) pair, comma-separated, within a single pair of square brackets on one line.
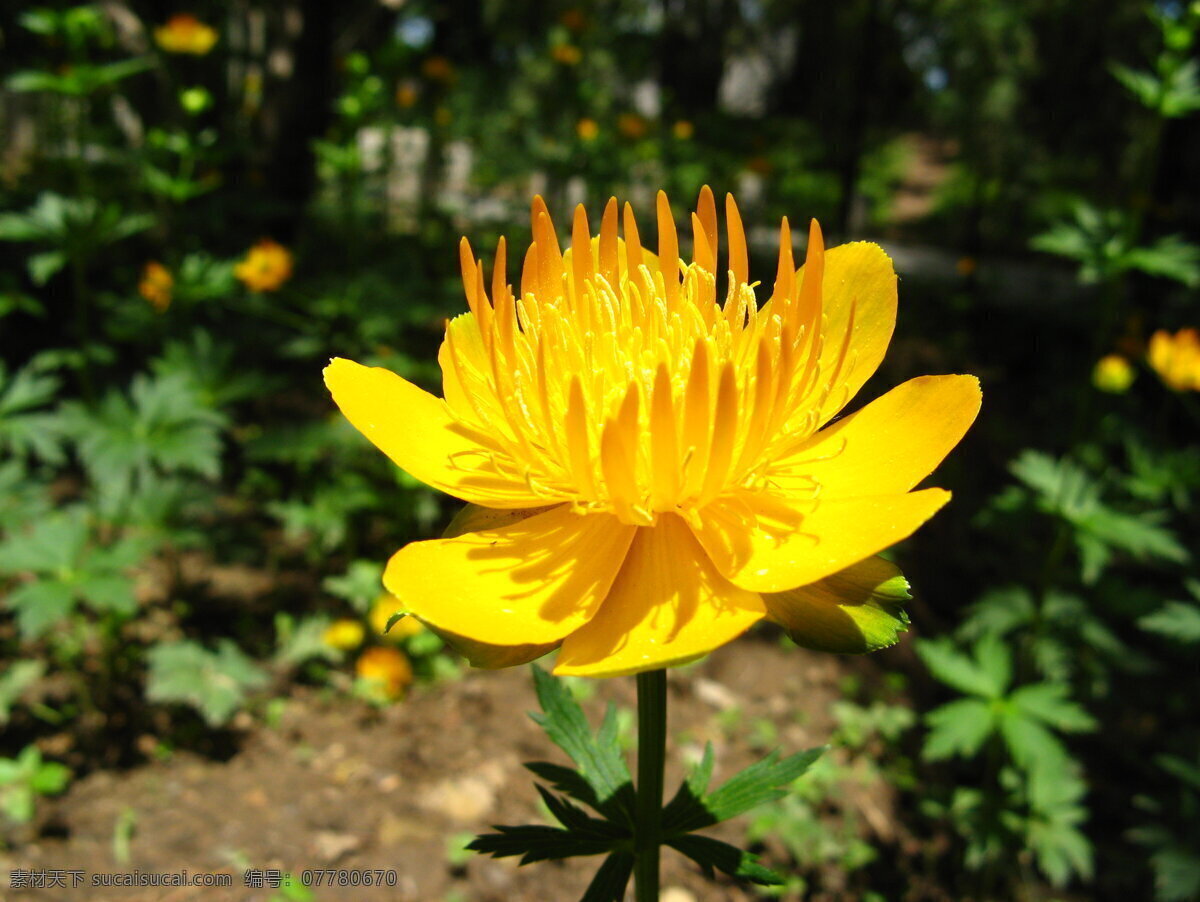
[(587, 129), (386, 670), (683, 130), (344, 634), (1176, 358), (156, 285), (567, 54), (574, 19), (266, 266), (184, 33), (631, 125), (966, 266), (406, 95), (437, 68), (1113, 374)]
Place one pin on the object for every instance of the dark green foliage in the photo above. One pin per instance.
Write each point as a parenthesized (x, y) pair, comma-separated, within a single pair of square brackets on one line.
[(603, 783)]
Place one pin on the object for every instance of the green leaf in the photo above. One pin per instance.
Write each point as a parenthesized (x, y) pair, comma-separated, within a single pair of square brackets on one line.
[(763, 781), (958, 728), (538, 843), (215, 683), (1178, 620), (44, 266), (39, 605), (986, 675), (1033, 747), (610, 881), (50, 779), (600, 764), (1050, 703), (14, 681), (711, 853)]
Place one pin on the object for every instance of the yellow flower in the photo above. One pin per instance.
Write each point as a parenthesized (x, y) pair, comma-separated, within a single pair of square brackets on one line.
[(683, 130), (1113, 374), (344, 635), (631, 125), (567, 54), (406, 94), (381, 612), (587, 129), (1176, 358), (156, 284), (437, 68), (266, 266), (387, 671), (646, 468), (184, 33)]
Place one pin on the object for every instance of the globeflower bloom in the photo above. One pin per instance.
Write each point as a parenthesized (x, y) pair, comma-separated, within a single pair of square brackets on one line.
[(157, 285), (1176, 358), (184, 33), (1113, 374), (650, 469), (266, 266)]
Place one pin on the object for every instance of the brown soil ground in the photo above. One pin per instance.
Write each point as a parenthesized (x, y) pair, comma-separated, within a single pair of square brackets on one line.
[(337, 784)]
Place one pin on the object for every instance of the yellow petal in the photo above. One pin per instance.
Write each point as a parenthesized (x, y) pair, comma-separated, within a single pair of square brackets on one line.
[(525, 583), (487, 656), (855, 610), (668, 605), (415, 429), (838, 533), (892, 443), (858, 275)]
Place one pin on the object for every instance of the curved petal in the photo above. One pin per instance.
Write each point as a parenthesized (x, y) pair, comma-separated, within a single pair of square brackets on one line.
[(837, 533), (415, 429), (487, 656), (668, 605), (891, 444), (856, 610), (525, 583), (858, 276)]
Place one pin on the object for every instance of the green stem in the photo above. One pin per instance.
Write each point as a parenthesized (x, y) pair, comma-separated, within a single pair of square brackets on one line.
[(652, 743)]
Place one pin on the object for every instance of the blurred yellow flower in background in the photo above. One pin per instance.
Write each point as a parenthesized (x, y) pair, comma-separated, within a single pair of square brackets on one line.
[(156, 285), (631, 125), (1176, 358), (265, 267), (344, 634), (646, 469), (406, 94), (184, 33), (1113, 374), (683, 129), (382, 610), (587, 129), (437, 68), (567, 54), (386, 670)]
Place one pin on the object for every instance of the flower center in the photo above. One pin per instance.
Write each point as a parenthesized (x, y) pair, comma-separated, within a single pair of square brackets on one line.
[(617, 382)]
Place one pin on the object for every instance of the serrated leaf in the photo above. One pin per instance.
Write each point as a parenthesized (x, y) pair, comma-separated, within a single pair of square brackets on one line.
[(215, 683), (1050, 703), (537, 843), (610, 881), (39, 605), (958, 728), (763, 781), (958, 670), (711, 853), (600, 764), (1178, 620), (1033, 747)]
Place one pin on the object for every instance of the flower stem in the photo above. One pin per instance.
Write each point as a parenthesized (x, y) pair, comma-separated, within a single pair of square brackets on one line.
[(652, 741)]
